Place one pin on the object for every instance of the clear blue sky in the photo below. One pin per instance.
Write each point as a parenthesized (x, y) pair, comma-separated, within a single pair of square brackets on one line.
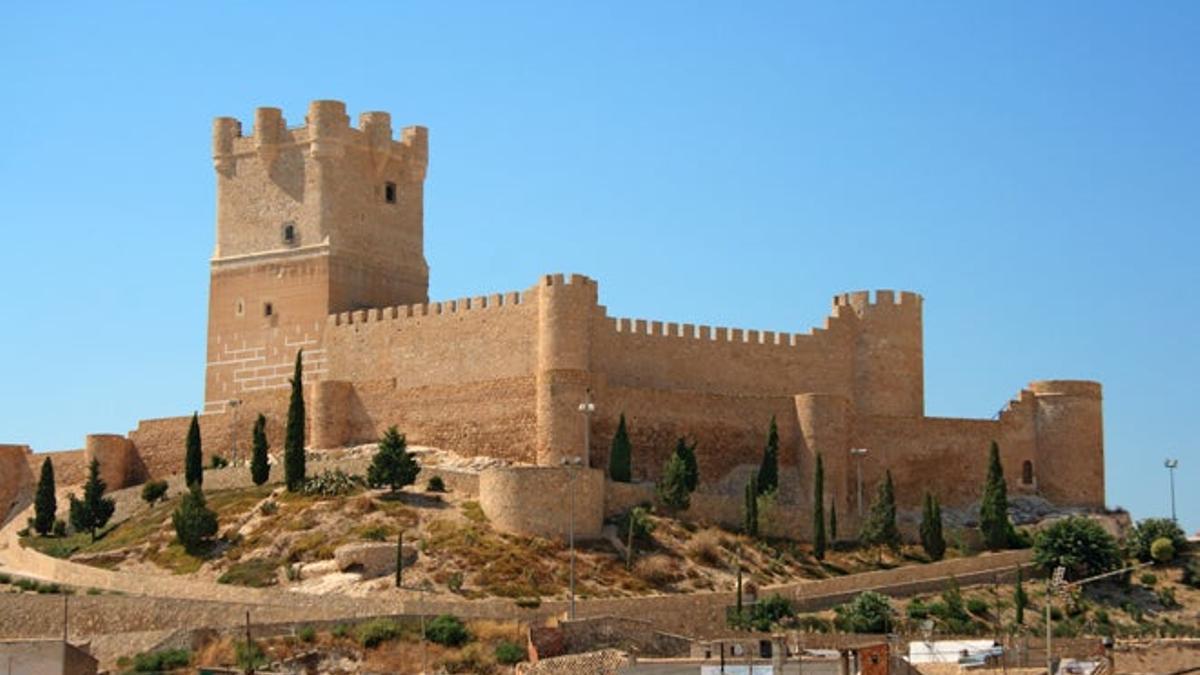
[(1032, 168)]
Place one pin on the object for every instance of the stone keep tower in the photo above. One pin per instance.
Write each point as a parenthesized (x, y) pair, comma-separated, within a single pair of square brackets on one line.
[(311, 221)]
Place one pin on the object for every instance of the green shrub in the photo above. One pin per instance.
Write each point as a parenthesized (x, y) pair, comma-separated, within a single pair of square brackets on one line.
[(333, 483), (194, 522), (154, 490), (377, 631), (869, 612), (249, 655), (375, 533), (1148, 579), (1079, 544), (1191, 573), (1162, 550), (812, 623), (341, 630), (917, 610), (158, 662), (5, 578), (60, 528), (977, 606), (307, 634), (255, 573), (774, 610), (448, 631), (528, 603), (1140, 540), (1166, 597), (509, 653), (455, 582), (435, 484)]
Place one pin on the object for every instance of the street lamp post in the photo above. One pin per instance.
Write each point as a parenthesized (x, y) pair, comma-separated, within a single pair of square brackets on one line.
[(1171, 464), (1053, 587), (586, 409), (570, 463), (858, 454)]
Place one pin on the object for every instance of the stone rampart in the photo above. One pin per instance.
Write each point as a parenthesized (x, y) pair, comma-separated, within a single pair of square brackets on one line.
[(16, 477), (535, 500)]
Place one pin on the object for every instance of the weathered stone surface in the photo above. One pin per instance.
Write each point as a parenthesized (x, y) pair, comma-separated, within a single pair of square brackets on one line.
[(372, 559)]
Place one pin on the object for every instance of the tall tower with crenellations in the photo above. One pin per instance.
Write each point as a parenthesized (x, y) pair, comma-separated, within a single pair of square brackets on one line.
[(311, 221)]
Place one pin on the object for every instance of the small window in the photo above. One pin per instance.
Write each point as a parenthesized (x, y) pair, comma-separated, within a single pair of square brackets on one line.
[(389, 192), (268, 309), (1027, 473), (289, 234), (240, 308)]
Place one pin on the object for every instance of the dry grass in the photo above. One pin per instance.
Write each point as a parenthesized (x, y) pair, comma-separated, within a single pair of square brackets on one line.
[(658, 570), (706, 548)]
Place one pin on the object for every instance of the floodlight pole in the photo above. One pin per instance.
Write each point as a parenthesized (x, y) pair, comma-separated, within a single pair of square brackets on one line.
[(858, 454), (570, 463), (1171, 464)]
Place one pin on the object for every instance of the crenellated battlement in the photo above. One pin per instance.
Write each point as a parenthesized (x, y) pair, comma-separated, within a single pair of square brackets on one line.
[(326, 121), (688, 331), (445, 308), (862, 302)]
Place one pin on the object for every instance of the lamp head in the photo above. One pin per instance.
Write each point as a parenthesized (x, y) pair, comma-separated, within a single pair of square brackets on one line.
[(1171, 463)]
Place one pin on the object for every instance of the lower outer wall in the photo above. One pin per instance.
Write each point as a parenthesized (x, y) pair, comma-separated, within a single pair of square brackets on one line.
[(535, 500), (16, 477)]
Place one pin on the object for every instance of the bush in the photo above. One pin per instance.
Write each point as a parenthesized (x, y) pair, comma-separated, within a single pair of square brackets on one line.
[(1078, 544), (705, 548), (307, 634), (1140, 540), (341, 630), (917, 610), (1166, 597), (448, 631), (154, 491), (435, 484), (249, 655), (656, 570), (509, 653), (1162, 550), (335, 483), (774, 610), (157, 662), (375, 632), (194, 522), (977, 606), (269, 507), (60, 528), (1148, 579), (254, 573), (1191, 573), (869, 612)]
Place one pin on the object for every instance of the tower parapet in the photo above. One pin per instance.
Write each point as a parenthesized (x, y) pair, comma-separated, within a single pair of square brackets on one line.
[(889, 367)]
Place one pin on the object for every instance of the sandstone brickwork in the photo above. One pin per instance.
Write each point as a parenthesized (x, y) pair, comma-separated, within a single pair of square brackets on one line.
[(320, 248)]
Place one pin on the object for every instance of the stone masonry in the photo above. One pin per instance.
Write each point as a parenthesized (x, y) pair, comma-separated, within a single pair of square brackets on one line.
[(319, 247)]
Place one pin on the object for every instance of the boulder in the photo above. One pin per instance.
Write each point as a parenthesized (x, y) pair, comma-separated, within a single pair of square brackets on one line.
[(372, 559)]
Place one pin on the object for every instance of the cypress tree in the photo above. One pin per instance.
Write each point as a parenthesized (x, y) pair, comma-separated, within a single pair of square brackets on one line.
[(768, 473), (880, 526), (1020, 598), (194, 522), (93, 511), (833, 520), (751, 507), (931, 528), (44, 503), (819, 509), (260, 468), (293, 444), (193, 463), (620, 458), (993, 507), (687, 453)]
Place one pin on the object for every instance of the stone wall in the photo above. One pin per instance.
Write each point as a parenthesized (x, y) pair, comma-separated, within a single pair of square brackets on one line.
[(535, 500), (16, 477)]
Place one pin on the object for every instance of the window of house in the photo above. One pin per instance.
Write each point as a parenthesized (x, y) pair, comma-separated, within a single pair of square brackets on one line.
[(289, 234), (389, 192), (268, 309), (1027, 473)]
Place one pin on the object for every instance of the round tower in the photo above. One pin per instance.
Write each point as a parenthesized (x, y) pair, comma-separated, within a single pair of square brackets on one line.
[(889, 367), (563, 365), (1069, 449)]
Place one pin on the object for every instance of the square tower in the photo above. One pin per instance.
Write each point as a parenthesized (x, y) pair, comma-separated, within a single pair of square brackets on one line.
[(311, 221)]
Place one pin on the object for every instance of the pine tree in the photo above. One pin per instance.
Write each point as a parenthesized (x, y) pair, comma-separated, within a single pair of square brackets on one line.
[(260, 467), (194, 522), (193, 463), (1020, 598), (819, 542), (293, 444), (93, 511), (768, 473), (687, 453), (620, 458), (931, 528), (393, 465), (993, 507), (751, 507), (673, 486), (880, 526), (44, 503), (833, 520)]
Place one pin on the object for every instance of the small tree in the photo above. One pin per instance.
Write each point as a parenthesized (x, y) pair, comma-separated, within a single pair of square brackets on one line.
[(880, 526), (750, 515), (672, 488), (640, 527), (1020, 597), (293, 444), (768, 472), (833, 520), (260, 467), (868, 612), (193, 463), (932, 539), (93, 511), (1078, 544), (687, 453), (620, 457), (44, 503), (194, 522), (1149, 530), (154, 490), (393, 466), (993, 506), (819, 509)]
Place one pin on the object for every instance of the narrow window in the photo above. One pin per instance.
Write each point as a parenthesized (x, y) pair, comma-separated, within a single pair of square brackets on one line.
[(1027, 473), (240, 308), (268, 309), (389, 192), (289, 234)]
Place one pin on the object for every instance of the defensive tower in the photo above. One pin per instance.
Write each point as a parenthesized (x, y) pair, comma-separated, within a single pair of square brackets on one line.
[(311, 221)]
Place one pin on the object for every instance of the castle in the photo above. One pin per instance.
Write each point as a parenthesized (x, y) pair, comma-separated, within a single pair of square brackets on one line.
[(319, 248)]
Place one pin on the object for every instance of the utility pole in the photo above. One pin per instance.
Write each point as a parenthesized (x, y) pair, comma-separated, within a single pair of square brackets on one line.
[(65, 618), (249, 649), (1052, 587)]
